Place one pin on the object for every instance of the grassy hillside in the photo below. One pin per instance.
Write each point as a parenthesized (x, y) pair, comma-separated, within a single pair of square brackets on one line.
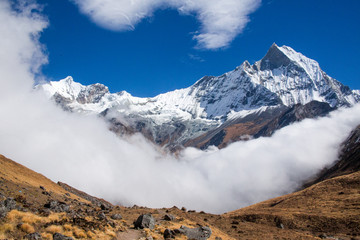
[(329, 209)]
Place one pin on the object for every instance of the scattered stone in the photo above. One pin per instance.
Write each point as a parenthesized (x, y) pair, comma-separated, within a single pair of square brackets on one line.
[(183, 209), (94, 200), (235, 222), (200, 233), (33, 236), (44, 212), (116, 216), (169, 217), (42, 188), (6, 206), (10, 204), (46, 193), (3, 211), (102, 216), (145, 221), (57, 206), (18, 226), (191, 211), (279, 223), (323, 236), (20, 199), (58, 236), (111, 223), (168, 234), (104, 207)]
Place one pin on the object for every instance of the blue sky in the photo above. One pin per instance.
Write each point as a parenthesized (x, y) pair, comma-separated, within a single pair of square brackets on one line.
[(160, 54)]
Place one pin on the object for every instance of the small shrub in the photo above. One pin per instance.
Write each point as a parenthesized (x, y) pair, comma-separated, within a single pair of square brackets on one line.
[(68, 234), (27, 228), (56, 217), (79, 233), (46, 235), (13, 215), (3, 236), (5, 228), (30, 218), (54, 229), (90, 234), (67, 227), (110, 233)]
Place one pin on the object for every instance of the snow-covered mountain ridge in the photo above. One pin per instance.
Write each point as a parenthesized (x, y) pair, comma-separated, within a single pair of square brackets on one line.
[(283, 77)]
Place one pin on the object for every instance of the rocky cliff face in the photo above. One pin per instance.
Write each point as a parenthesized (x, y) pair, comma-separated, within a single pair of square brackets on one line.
[(250, 94), (348, 162)]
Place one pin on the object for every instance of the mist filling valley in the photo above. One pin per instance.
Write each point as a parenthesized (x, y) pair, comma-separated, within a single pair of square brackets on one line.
[(81, 151)]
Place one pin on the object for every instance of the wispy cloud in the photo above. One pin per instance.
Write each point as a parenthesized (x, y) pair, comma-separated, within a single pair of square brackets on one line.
[(82, 152), (196, 57), (221, 21)]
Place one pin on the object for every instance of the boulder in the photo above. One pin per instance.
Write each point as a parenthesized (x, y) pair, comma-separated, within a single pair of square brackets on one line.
[(200, 233), (116, 216), (169, 234), (57, 206), (10, 204), (58, 236), (33, 236), (102, 216), (145, 221), (6, 206), (169, 217)]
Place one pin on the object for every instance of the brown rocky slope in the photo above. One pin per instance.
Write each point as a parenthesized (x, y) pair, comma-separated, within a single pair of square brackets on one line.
[(34, 207)]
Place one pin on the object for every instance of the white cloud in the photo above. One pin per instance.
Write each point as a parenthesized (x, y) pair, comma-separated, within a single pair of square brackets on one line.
[(221, 21), (82, 152)]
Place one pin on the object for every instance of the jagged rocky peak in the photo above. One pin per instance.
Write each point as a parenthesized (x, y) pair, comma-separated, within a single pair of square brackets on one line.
[(73, 91), (92, 93), (274, 58)]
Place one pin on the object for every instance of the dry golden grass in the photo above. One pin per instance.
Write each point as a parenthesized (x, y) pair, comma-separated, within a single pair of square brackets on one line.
[(25, 227), (110, 233), (55, 217), (27, 217), (20, 174), (46, 235), (3, 236), (102, 236), (331, 207), (6, 227), (79, 233), (68, 234), (54, 229), (90, 234), (67, 227)]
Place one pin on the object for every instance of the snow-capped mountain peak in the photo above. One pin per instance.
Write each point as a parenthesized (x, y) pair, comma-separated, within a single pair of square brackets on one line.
[(65, 87), (277, 57), (76, 92), (283, 77)]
